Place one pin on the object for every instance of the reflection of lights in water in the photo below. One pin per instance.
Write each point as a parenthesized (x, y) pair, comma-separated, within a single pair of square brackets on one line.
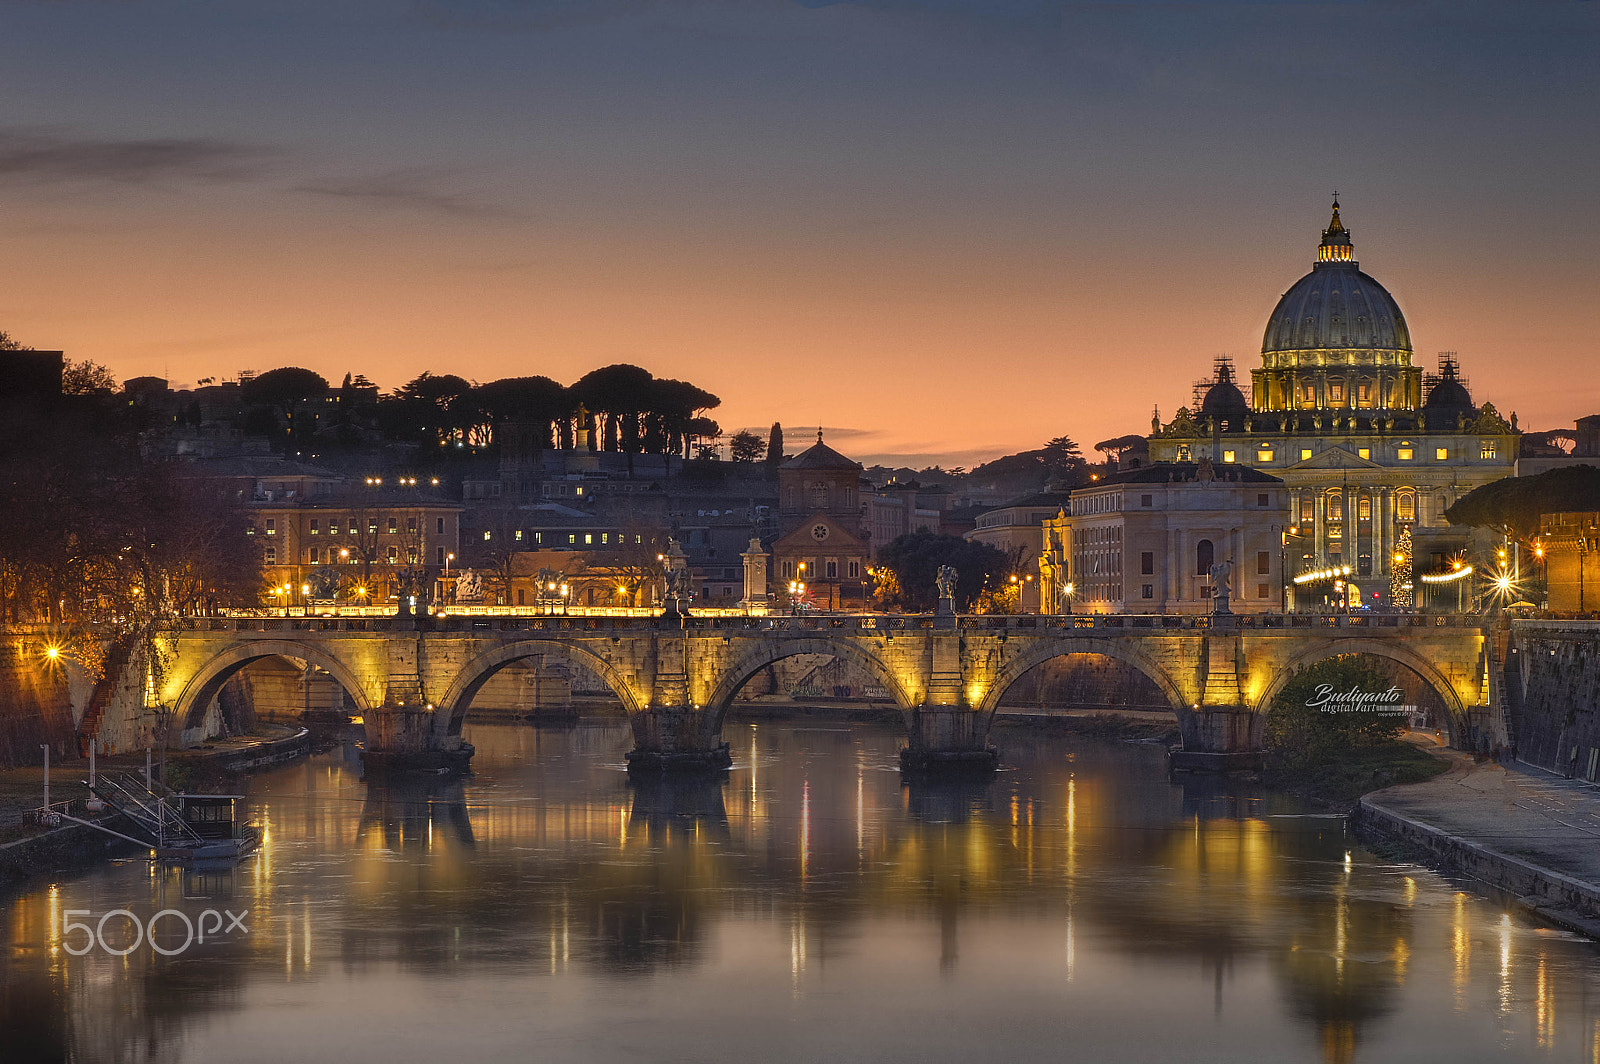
[(861, 811), (305, 942), (1461, 946), (1544, 1012), (1402, 954), (805, 830), (797, 952), (1506, 996), (1411, 890)]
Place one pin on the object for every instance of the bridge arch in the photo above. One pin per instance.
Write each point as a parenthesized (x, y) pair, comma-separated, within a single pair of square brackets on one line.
[(475, 673), (740, 670), (1392, 650), (1116, 649), (203, 687)]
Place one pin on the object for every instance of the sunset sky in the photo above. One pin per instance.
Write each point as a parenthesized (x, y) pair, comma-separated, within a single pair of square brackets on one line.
[(943, 229)]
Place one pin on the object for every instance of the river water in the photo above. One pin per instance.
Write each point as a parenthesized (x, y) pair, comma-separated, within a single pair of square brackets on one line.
[(1081, 906)]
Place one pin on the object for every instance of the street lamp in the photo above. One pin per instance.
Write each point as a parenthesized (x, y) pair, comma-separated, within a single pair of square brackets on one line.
[(445, 590)]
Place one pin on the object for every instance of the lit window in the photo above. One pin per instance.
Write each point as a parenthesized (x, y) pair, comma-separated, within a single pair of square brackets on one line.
[(580, 489), (314, 529), (1227, 456), (487, 535), (272, 527), (1264, 455), (1365, 453), (1404, 454), (1305, 454), (1365, 509), (394, 525), (272, 555), (572, 539), (588, 538), (1487, 449), (605, 537), (1441, 453)]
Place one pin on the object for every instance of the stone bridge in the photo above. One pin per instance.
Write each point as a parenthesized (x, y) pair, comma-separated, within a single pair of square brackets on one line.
[(414, 682)]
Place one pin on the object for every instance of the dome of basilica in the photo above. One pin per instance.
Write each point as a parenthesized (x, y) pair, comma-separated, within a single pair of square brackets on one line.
[(1336, 306)]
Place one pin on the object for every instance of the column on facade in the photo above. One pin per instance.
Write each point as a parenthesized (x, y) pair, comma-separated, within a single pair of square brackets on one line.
[(1177, 577), (1380, 537), (1319, 524)]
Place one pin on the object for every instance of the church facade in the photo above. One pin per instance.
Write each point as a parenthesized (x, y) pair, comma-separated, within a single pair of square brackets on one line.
[(1371, 448)]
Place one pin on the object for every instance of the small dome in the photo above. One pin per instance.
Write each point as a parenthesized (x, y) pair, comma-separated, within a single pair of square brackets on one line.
[(1449, 393), (1224, 400)]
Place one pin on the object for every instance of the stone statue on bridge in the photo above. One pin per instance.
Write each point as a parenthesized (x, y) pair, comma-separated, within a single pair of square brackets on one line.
[(1219, 573), (945, 580), (469, 587)]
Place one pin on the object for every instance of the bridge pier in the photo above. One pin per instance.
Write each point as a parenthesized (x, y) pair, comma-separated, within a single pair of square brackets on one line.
[(677, 739), (1219, 739), (404, 739), (948, 739)]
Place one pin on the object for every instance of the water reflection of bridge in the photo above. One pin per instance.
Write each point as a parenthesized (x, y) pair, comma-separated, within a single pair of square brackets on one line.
[(556, 864), (414, 688)]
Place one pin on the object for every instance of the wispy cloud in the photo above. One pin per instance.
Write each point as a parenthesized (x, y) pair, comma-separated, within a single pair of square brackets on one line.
[(42, 155), (414, 190)]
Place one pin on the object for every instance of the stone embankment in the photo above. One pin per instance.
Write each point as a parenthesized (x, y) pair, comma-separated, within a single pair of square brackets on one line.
[(1519, 830)]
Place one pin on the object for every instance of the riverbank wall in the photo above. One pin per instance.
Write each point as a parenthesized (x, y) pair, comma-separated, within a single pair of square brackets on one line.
[(1550, 676)]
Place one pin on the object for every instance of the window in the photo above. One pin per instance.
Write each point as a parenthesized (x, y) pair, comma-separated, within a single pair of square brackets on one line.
[(1364, 392), (394, 525), (519, 535), (272, 555), (588, 539), (272, 526), (411, 555), (1441, 453), (572, 539), (394, 555), (1405, 454), (1264, 499), (1147, 500), (605, 537), (1227, 456), (1147, 563), (1336, 508), (538, 537), (372, 526), (855, 570), (1149, 591), (580, 489), (439, 555), (314, 529), (440, 529), (1204, 554), (487, 535), (1486, 449), (1263, 591), (1263, 562), (1183, 452), (1364, 509), (312, 555), (1364, 453), (522, 599), (1264, 455), (1336, 389), (411, 524), (1307, 509), (1406, 507), (1305, 454), (833, 569)]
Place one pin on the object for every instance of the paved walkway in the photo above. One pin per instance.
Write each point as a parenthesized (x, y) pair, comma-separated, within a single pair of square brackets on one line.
[(1520, 811)]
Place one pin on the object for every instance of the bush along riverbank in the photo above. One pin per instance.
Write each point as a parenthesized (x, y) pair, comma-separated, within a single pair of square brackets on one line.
[(1324, 745)]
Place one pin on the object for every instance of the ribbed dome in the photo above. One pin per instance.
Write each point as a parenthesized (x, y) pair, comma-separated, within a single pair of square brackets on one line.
[(1336, 306)]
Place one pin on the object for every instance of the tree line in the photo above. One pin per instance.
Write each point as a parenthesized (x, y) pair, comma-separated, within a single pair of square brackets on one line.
[(622, 407)]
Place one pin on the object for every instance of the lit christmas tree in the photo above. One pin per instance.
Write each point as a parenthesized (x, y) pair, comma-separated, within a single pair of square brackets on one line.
[(1400, 570)]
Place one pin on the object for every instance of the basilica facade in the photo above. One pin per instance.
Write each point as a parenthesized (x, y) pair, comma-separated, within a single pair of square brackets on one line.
[(1371, 448)]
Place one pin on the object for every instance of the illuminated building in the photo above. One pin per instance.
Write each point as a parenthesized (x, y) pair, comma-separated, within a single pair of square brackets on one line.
[(1144, 541), (1367, 443)]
